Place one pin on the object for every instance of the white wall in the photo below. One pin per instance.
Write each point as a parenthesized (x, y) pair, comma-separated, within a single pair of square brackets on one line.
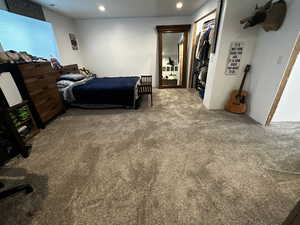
[(118, 47), (220, 85), (288, 109), (269, 62), (62, 26)]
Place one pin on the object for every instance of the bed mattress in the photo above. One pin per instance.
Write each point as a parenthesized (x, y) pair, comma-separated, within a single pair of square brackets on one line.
[(107, 91)]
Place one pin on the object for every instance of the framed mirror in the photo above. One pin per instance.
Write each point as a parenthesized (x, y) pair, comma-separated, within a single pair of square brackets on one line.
[(172, 50)]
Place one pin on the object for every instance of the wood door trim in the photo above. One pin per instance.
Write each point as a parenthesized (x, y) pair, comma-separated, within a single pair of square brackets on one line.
[(160, 58), (173, 29), (284, 80), (194, 44), (193, 55), (185, 59)]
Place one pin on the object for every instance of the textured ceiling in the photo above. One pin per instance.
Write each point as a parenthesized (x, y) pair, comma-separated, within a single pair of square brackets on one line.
[(122, 8)]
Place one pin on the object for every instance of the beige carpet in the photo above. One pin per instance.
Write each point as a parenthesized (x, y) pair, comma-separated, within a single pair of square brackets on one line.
[(173, 164)]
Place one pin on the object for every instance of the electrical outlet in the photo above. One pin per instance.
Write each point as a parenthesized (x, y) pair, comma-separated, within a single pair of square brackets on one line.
[(279, 60)]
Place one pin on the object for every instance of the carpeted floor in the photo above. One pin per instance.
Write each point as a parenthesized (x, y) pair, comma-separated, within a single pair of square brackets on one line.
[(173, 164)]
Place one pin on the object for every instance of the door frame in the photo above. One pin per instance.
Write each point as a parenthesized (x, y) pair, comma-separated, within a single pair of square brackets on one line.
[(283, 83), (173, 29)]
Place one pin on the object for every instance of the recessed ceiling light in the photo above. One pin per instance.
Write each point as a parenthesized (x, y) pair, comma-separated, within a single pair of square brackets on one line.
[(179, 5), (101, 8)]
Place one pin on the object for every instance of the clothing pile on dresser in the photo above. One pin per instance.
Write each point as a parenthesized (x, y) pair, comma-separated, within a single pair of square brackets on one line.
[(15, 57)]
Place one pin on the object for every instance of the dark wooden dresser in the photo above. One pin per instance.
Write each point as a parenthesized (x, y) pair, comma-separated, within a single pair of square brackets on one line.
[(39, 85)]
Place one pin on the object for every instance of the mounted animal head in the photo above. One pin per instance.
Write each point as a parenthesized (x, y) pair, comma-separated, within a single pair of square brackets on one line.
[(271, 16)]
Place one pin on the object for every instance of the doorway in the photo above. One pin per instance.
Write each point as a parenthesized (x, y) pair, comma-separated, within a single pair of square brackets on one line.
[(172, 50), (284, 108)]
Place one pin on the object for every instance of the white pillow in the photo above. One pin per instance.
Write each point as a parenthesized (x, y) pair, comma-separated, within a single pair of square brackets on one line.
[(72, 77), (64, 83)]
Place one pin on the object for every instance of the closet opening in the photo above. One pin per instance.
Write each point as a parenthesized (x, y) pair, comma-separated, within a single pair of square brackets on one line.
[(203, 46)]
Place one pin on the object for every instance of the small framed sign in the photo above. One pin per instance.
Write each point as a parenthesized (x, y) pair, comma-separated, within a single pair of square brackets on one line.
[(74, 42), (235, 58)]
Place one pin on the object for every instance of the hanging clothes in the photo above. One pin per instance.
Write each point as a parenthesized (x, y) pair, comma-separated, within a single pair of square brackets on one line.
[(211, 35), (203, 51), (201, 57), (203, 74), (199, 42), (204, 41)]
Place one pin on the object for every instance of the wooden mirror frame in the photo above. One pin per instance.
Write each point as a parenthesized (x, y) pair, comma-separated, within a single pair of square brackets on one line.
[(173, 29)]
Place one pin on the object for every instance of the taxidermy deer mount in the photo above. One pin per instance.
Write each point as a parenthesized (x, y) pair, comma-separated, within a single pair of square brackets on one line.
[(271, 16)]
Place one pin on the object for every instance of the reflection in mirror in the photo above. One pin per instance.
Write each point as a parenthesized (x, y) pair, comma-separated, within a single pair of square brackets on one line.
[(172, 59)]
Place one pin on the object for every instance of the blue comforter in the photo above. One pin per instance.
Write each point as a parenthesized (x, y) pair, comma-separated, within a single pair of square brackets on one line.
[(118, 91)]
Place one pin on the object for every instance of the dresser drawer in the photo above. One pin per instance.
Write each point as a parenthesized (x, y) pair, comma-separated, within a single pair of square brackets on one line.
[(40, 97), (40, 84), (49, 109), (47, 101), (50, 113), (36, 85), (33, 69)]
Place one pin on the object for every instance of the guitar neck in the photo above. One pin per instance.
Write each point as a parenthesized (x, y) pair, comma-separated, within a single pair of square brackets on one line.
[(243, 81), (242, 84)]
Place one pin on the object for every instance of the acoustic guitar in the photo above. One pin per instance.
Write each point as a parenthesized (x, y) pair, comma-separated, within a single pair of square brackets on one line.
[(237, 101)]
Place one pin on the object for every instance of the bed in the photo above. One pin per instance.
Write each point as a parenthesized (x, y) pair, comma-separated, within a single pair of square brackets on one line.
[(102, 92)]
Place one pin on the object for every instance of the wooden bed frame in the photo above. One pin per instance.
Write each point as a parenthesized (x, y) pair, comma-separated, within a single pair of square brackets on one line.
[(69, 69), (145, 87)]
